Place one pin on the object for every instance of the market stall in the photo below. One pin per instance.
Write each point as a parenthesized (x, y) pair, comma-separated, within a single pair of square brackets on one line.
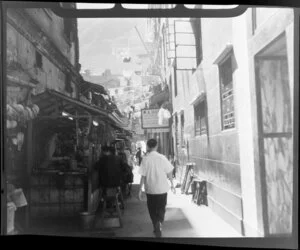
[(68, 135), (59, 174)]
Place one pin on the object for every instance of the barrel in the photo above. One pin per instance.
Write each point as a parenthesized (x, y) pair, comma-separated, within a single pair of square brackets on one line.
[(87, 220)]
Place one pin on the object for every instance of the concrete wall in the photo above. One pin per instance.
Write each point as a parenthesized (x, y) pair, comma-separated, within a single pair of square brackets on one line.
[(22, 51), (229, 159), (275, 24), (53, 26), (216, 154), (244, 111)]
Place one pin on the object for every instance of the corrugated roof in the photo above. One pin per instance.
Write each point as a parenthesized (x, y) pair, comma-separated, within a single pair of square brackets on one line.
[(50, 100)]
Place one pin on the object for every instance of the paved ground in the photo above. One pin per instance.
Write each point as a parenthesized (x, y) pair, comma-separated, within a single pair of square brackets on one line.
[(183, 219)]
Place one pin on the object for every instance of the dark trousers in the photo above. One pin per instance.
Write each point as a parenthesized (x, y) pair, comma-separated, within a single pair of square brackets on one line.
[(157, 207)]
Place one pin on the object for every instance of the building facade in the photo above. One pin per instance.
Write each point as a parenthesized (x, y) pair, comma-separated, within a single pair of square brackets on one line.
[(56, 121), (226, 118)]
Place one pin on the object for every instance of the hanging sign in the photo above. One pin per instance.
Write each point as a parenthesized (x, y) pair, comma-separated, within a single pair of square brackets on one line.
[(150, 119), (158, 130)]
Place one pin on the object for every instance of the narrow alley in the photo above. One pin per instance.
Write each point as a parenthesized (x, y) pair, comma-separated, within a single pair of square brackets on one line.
[(203, 106), (179, 221)]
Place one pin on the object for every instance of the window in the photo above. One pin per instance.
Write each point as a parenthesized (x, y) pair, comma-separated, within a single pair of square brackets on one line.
[(226, 91), (200, 115), (198, 39), (38, 60)]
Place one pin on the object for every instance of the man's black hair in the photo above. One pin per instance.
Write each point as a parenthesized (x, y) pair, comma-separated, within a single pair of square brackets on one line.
[(151, 143)]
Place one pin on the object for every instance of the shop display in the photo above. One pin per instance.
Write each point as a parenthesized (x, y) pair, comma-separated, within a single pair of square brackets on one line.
[(17, 114)]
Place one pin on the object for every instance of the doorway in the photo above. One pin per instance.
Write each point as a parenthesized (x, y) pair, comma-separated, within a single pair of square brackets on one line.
[(275, 119)]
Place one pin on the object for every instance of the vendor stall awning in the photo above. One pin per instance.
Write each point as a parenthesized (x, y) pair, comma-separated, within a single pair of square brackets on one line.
[(52, 103)]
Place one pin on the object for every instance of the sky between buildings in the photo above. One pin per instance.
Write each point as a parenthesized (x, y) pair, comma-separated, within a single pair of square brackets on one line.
[(100, 38)]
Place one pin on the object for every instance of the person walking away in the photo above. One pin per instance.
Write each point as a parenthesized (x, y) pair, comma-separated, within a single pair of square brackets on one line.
[(129, 176), (172, 161), (139, 156), (155, 171), (175, 164)]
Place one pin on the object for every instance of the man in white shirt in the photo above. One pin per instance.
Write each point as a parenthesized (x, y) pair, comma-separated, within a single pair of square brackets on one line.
[(155, 171)]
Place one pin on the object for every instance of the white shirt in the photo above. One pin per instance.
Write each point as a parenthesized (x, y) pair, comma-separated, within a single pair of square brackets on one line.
[(155, 168)]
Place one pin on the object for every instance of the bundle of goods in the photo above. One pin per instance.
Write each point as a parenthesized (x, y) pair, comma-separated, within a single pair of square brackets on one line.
[(18, 114)]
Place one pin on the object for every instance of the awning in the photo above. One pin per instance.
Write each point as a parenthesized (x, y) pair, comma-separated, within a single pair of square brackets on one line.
[(52, 103), (198, 98), (224, 53), (121, 122)]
